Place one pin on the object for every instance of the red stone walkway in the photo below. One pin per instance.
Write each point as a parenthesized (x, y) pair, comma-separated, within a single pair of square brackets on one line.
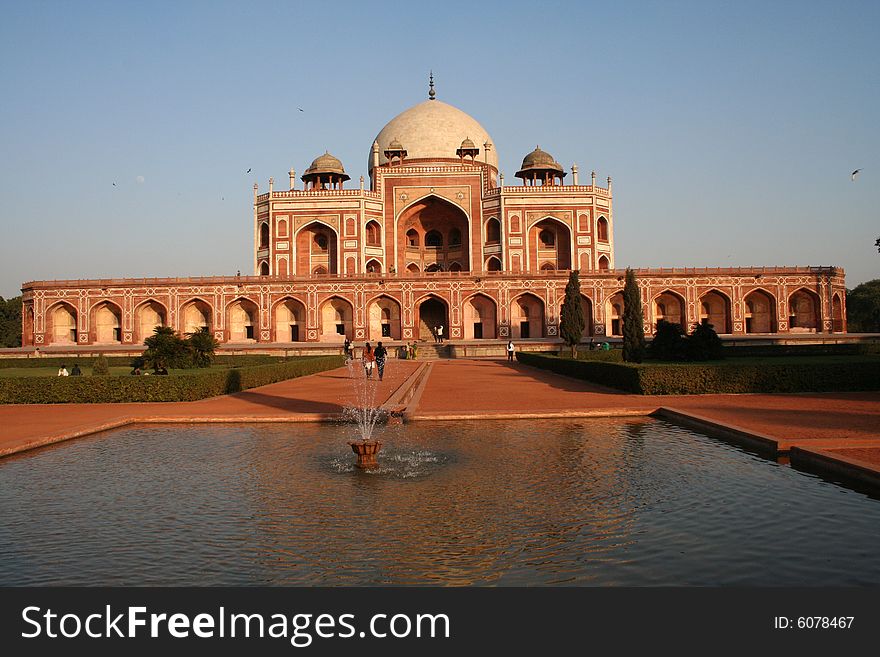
[(839, 427), (306, 399)]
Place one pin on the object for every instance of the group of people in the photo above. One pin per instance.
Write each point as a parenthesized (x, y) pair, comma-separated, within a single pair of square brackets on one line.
[(372, 359), (75, 371)]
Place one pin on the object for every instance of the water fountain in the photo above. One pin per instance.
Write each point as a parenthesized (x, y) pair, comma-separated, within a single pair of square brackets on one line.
[(365, 414)]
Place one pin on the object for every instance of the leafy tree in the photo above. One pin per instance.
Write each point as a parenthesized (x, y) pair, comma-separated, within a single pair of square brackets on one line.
[(165, 348), (202, 346), (572, 322), (668, 342), (863, 307), (633, 323), (703, 343), (101, 367), (10, 322)]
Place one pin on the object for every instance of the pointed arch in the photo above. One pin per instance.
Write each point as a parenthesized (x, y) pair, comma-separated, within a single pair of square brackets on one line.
[(432, 311), (804, 315), (264, 268), (715, 310), (242, 320), (670, 306), (604, 263), (493, 231), (373, 266), (549, 243), (383, 316), (424, 232), (480, 317), (264, 235), (288, 319), (614, 314), (602, 229), (493, 263), (195, 315), (759, 310), (105, 322), (317, 245), (61, 323), (336, 316), (148, 315), (526, 316), (838, 320), (413, 268), (373, 233)]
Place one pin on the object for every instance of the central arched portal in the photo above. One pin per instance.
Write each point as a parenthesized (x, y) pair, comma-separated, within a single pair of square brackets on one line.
[(432, 313), (433, 233)]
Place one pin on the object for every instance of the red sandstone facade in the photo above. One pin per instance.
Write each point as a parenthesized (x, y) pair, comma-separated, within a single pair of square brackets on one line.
[(437, 238)]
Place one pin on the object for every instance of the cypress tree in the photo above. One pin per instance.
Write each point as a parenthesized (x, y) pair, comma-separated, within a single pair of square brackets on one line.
[(571, 320), (633, 323)]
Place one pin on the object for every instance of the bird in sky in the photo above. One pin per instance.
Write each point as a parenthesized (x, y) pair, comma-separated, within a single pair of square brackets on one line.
[(248, 171), (300, 109), (855, 174), (114, 184)]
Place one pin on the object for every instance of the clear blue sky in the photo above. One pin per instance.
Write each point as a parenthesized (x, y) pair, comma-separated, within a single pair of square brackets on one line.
[(730, 129)]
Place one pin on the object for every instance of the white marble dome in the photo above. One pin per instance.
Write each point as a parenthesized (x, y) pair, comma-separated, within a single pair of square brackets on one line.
[(433, 129)]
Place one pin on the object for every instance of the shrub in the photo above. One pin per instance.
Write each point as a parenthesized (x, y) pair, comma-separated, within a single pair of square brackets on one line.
[(703, 343), (185, 387), (668, 342), (101, 366), (165, 348), (730, 377), (202, 346)]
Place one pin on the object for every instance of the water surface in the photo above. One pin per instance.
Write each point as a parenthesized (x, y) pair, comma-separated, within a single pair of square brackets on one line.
[(592, 502)]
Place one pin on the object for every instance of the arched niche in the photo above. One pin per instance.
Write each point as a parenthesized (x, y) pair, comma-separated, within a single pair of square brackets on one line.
[(242, 321), (148, 316), (336, 315), (61, 323), (670, 306), (804, 315), (431, 230), (316, 249), (715, 310), (432, 312), (384, 318), (614, 315), (196, 316), (289, 316), (480, 318), (106, 323), (550, 245), (760, 312), (526, 317)]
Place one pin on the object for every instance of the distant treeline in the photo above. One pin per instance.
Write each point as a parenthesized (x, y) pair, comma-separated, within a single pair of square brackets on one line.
[(10, 322)]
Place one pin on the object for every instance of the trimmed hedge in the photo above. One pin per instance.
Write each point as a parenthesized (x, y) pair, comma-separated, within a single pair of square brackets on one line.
[(125, 361), (729, 377), (198, 384)]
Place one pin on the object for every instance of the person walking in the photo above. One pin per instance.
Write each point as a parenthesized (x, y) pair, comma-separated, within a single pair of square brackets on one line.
[(346, 349), (440, 334), (369, 360), (381, 353), (510, 350)]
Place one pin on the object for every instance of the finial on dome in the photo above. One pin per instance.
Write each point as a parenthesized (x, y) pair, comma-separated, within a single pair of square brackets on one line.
[(432, 95)]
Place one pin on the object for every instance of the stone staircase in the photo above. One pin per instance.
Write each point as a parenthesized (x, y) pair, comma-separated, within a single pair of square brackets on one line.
[(432, 351)]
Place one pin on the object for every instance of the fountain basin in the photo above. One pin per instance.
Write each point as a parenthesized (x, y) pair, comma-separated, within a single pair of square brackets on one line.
[(366, 451)]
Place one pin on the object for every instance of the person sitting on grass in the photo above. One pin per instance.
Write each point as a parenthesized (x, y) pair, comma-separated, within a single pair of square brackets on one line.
[(62, 371), (76, 371)]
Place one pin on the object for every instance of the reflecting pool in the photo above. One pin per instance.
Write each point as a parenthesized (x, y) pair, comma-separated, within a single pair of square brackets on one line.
[(592, 502)]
